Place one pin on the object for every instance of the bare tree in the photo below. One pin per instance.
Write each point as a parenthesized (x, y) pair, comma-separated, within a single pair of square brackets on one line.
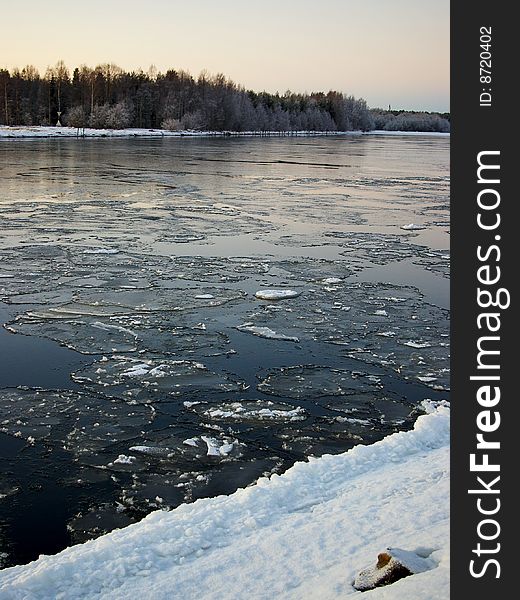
[(4, 83), (61, 74)]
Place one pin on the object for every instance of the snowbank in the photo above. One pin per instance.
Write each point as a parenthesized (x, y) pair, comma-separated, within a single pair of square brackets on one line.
[(56, 132), (305, 534)]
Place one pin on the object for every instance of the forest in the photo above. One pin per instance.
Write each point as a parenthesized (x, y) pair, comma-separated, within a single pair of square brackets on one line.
[(107, 96)]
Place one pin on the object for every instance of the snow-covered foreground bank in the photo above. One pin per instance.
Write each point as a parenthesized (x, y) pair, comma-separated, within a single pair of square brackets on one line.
[(301, 535), (46, 132)]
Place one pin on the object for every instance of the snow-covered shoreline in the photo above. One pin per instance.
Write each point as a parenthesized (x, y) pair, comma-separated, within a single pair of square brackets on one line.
[(72, 132), (304, 534), (409, 133)]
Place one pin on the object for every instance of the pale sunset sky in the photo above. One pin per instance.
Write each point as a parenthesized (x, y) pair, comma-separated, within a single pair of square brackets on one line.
[(387, 51)]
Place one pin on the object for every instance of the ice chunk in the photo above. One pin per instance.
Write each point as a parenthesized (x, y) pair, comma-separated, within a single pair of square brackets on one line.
[(250, 411), (266, 332), (101, 251), (123, 459), (153, 451), (191, 442), (414, 344), (276, 294), (412, 227), (215, 448)]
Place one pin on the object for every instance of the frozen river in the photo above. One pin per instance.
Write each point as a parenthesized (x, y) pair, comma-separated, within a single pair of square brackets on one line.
[(140, 370)]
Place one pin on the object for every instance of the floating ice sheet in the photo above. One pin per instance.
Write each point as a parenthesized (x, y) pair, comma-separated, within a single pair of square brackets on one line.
[(377, 323), (82, 423), (249, 411), (382, 249), (266, 332), (276, 294), (91, 335), (147, 380), (86, 336), (413, 227), (312, 381)]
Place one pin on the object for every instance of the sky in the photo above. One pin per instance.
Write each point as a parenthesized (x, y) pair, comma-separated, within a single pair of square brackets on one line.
[(390, 52)]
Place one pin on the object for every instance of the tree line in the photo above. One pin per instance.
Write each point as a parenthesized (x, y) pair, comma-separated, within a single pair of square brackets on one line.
[(391, 120), (107, 96)]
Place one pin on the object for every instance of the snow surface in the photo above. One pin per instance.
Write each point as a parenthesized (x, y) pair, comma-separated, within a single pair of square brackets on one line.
[(304, 534)]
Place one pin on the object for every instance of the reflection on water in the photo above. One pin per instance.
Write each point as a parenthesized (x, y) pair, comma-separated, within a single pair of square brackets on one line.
[(139, 368)]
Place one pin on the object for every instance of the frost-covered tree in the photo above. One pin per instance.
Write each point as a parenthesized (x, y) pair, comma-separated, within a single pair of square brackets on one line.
[(171, 124), (280, 119), (118, 116), (409, 121), (194, 120), (76, 117), (262, 118), (98, 118)]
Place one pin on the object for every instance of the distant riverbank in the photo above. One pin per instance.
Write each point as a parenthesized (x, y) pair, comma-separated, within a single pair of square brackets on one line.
[(57, 132)]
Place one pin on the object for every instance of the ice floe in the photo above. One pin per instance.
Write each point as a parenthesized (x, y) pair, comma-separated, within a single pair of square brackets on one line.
[(266, 332), (413, 227), (312, 381), (250, 411), (141, 380), (276, 294)]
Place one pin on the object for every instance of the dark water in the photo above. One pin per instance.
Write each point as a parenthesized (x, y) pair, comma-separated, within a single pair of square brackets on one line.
[(126, 268)]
